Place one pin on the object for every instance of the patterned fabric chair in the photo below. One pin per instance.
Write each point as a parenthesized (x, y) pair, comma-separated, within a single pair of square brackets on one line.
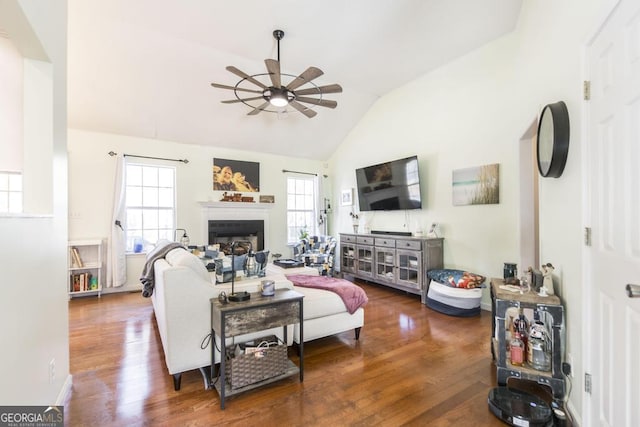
[(317, 252)]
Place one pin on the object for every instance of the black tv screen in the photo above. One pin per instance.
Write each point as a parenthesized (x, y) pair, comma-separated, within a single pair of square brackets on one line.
[(389, 186)]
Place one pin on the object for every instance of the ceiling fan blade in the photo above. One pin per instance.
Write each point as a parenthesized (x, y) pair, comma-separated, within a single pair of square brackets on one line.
[(258, 109), (219, 86), (246, 76), (308, 75), (233, 101), (304, 110), (273, 67), (321, 102), (320, 90)]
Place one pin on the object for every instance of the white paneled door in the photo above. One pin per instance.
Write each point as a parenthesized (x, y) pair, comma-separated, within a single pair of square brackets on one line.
[(613, 171)]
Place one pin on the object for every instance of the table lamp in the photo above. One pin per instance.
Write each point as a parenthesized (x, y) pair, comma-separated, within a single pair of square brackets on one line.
[(184, 240), (243, 295)]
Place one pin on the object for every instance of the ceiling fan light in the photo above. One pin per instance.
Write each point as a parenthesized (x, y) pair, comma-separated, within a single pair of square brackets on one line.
[(278, 100)]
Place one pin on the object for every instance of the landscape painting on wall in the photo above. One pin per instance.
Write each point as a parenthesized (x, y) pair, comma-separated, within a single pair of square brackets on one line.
[(476, 186), (236, 175)]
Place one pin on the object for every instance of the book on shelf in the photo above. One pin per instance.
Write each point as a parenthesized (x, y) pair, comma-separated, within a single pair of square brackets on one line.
[(81, 282), (75, 255)]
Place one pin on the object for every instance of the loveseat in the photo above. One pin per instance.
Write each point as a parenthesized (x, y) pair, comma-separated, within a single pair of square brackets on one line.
[(181, 292)]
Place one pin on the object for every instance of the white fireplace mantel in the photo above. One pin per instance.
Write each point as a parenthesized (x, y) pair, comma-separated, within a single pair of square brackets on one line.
[(233, 211), (236, 205)]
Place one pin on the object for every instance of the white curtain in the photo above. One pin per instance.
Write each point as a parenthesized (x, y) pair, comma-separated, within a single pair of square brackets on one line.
[(116, 260)]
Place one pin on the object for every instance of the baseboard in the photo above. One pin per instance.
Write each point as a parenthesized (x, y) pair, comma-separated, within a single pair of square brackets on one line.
[(65, 391), (485, 306), (124, 288), (577, 420)]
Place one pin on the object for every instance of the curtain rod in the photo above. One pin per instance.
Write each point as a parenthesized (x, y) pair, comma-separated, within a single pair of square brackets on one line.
[(185, 161), (303, 173)]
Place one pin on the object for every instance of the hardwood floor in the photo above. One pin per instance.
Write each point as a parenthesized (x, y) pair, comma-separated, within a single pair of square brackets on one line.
[(411, 366)]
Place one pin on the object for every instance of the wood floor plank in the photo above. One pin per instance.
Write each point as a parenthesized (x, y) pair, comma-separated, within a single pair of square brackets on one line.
[(411, 366)]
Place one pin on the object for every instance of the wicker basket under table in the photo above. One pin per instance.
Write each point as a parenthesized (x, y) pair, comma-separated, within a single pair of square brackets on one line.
[(267, 362)]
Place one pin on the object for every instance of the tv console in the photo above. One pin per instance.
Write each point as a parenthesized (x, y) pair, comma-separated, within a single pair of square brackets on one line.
[(397, 260), (392, 233)]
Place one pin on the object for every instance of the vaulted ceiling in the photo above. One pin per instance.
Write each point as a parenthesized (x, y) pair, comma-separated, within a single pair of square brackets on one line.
[(144, 67)]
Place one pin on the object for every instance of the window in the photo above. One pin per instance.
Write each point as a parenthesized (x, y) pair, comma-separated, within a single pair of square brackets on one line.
[(150, 201), (10, 192), (301, 207)]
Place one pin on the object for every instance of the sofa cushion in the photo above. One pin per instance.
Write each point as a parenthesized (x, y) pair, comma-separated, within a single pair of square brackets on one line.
[(320, 303), (181, 258)]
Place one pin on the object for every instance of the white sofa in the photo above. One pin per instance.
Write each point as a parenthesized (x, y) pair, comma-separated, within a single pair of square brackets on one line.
[(181, 294)]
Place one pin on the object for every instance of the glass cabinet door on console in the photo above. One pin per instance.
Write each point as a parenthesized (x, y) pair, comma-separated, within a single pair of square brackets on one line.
[(364, 256), (348, 257), (364, 260), (385, 262), (409, 268)]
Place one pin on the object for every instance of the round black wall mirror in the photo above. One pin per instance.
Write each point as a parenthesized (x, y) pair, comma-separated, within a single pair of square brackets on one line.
[(553, 140)]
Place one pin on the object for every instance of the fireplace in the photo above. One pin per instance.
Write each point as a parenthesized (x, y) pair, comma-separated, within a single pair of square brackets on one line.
[(224, 232)]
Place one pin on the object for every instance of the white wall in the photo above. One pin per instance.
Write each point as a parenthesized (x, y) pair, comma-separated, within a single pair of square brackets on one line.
[(474, 112), (91, 178), (11, 84), (38, 122), (25, 118), (33, 298), (451, 119)]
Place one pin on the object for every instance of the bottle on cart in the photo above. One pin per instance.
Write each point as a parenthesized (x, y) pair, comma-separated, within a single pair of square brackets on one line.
[(539, 351), (521, 325), (517, 350)]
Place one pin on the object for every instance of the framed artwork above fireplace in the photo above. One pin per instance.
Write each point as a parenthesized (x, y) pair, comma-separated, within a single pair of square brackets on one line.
[(236, 175)]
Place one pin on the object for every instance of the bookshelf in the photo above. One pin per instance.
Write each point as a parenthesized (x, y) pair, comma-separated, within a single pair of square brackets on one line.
[(85, 267)]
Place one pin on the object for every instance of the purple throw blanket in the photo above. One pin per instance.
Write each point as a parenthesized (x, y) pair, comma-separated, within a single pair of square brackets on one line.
[(353, 295)]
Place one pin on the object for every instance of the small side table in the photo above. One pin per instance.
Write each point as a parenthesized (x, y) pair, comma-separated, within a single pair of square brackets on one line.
[(501, 301), (256, 314)]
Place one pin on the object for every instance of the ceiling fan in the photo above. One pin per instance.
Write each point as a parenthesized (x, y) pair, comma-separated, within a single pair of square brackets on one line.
[(274, 96)]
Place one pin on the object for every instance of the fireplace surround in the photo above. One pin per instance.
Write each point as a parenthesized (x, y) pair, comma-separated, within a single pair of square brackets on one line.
[(226, 231), (230, 212)]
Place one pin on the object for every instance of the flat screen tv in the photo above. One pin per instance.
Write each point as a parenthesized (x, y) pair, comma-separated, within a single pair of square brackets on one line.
[(389, 186)]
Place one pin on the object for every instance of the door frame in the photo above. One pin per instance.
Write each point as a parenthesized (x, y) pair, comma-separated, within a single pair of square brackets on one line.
[(529, 235)]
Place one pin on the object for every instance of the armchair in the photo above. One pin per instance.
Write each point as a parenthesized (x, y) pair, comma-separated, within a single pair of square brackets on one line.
[(317, 252)]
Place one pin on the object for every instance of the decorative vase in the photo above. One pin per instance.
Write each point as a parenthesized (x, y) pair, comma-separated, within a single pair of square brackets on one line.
[(138, 245)]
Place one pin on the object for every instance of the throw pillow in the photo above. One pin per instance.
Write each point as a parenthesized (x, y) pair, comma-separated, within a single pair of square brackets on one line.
[(238, 262), (457, 278)]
